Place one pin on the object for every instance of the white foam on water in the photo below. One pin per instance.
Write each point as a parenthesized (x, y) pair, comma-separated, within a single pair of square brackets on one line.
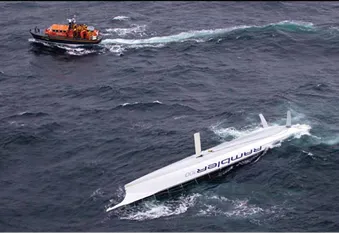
[(310, 154), (196, 35), (238, 208), (121, 17), (120, 193), (79, 51), (181, 37), (17, 124), (71, 49), (229, 132), (179, 117), (126, 104), (328, 140), (303, 129), (32, 40), (117, 49), (105, 34), (332, 141), (134, 30), (97, 193), (294, 22), (153, 209)]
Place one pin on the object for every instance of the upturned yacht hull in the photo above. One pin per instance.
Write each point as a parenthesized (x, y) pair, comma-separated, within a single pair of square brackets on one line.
[(206, 162)]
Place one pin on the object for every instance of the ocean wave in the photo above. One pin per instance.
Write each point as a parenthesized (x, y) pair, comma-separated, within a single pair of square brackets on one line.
[(23, 115), (52, 126), (316, 87), (99, 90), (17, 124), (155, 106), (136, 103), (32, 114), (179, 117), (20, 138)]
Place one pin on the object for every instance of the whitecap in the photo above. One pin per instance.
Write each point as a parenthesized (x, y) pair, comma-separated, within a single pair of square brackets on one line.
[(179, 117), (97, 193), (120, 17)]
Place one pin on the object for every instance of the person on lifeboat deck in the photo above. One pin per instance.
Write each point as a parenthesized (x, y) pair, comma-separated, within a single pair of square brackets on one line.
[(69, 24)]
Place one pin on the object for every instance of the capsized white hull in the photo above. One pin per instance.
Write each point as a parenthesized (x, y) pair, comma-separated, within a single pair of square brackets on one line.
[(204, 162)]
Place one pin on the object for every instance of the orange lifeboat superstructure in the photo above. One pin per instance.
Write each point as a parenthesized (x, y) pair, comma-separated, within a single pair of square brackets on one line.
[(70, 34)]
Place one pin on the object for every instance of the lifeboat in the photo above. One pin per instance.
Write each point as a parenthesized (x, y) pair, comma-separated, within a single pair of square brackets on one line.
[(68, 34)]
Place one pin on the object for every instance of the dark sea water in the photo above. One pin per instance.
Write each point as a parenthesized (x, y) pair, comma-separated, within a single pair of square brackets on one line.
[(76, 123)]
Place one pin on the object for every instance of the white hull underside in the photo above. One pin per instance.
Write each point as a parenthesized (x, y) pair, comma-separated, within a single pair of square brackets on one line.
[(213, 159)]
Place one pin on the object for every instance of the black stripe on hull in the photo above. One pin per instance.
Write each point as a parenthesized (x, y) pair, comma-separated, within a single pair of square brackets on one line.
[(74, 41)]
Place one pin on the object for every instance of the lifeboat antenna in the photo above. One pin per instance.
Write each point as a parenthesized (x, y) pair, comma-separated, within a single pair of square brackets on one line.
[(73, 19)]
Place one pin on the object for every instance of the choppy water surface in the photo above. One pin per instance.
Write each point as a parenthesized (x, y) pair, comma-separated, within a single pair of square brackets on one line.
[(78, 123)]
